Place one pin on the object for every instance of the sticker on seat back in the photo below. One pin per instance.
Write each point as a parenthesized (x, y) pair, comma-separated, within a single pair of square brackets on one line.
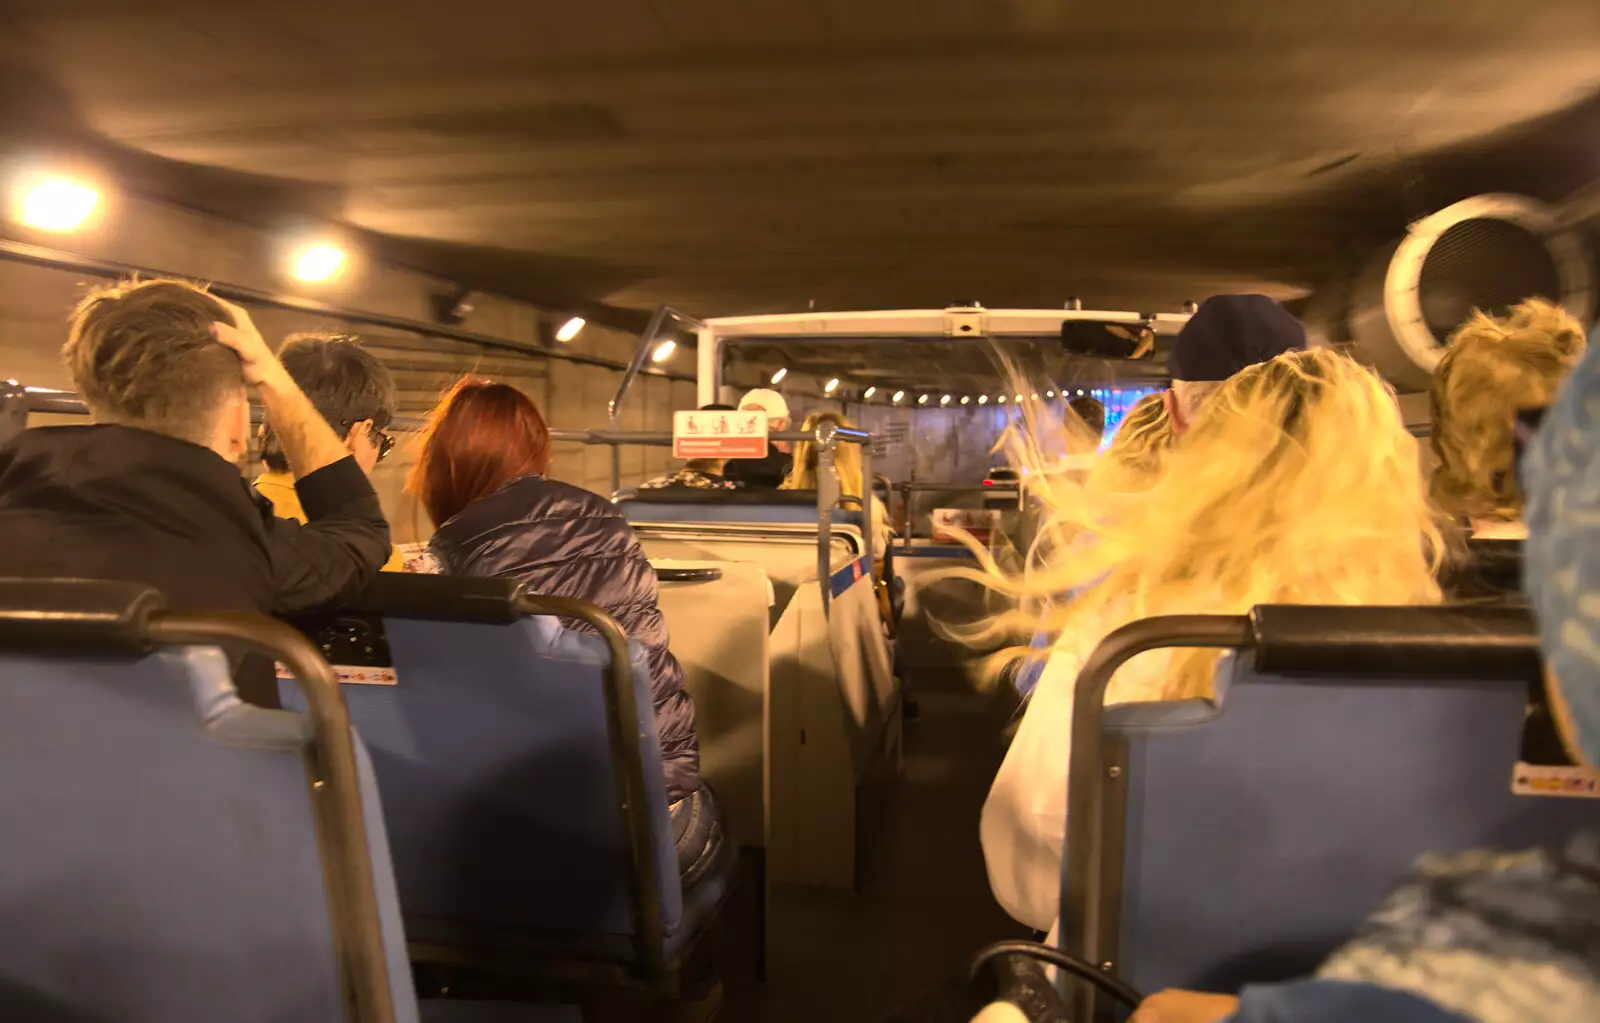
[(348, 674), (355, 645), (1544, 767)]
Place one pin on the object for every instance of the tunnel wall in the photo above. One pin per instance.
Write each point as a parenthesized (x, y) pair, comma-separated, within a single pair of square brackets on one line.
[(35, 302)]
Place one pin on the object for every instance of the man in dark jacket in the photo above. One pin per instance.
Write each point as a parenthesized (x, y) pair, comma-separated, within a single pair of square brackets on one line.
[(151, 492)]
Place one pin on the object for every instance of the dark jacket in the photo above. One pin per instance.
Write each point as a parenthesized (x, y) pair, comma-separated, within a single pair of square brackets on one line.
[(114, 502), (760, 473), (568, 542)]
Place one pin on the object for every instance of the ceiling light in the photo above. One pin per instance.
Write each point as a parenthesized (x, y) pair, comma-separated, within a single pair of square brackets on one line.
[(1001, 399), (317, 262), (1035, 396), (1049, 394), (56, 204), (783, 371), (1080, 392), (965, 398), (944, 400), (664, 350), (897, 396), (1019, 397), (830, 386), (922, 399), (869, 392), (983, 399), (571, 329)]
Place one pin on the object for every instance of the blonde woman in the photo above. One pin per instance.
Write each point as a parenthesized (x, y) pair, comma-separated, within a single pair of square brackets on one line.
[(1298, 484), (1135, 451), (1491, 368), (847, 463)]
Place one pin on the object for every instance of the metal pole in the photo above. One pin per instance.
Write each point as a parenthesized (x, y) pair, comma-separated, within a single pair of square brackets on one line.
[(827, 499), (906, 498), (13, 410), (56, 260), (354, 893), (1085, 852), (642, 352), (627, 766), (867, 498)]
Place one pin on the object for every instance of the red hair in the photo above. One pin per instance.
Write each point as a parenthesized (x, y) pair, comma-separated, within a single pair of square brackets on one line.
[(479, 436)]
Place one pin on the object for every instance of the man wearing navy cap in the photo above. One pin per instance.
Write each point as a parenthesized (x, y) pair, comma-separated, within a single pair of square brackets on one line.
[(1226, 334)]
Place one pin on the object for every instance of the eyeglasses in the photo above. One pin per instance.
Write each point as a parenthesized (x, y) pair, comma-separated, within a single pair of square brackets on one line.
[(383, 440)]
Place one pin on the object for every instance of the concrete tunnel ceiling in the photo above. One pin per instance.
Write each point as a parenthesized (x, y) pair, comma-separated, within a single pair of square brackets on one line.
[(732, 157)]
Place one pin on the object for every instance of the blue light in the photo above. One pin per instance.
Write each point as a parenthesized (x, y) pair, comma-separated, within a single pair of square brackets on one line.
[(1120, 402)]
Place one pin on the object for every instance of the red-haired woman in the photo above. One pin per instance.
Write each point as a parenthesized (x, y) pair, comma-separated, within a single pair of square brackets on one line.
[(481, 477)]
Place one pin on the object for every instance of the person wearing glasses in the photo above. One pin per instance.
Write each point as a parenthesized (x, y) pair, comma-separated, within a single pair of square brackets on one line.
[(150, 491), (356, 395)]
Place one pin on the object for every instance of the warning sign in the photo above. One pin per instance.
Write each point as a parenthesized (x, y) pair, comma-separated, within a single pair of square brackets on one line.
[(982, 523), (719, 434)]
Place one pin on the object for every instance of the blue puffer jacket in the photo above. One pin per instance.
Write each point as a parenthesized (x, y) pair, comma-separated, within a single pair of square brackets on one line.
[(568, 542)]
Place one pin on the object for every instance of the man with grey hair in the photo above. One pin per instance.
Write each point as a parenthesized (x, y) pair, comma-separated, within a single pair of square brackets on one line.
[(1228, 333), (354, 392)]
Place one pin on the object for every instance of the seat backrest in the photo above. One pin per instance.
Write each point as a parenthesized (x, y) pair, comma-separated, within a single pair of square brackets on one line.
[(717, 614), (493, 750), (1262, 830), (687, 504), (164, 855), (786, 552), (1490, 570)]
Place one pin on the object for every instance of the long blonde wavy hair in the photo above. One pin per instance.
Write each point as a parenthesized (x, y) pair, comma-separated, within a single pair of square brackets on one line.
[(1134, 455), (846, 459), (1491, 368), (1297, 483)]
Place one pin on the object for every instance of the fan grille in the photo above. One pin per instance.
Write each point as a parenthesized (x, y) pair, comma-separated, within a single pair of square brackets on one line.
[(1483, 264)]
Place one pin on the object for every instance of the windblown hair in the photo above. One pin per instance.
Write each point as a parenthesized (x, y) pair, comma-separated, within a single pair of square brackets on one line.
[(1092, 411), (141, 354), (846, 459), (1136, 449), (1192, 396), (478, 438), (1298, 484), (1491, 368)]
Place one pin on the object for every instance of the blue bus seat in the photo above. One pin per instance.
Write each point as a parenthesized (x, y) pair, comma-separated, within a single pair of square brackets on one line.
[(1260, 831), (166, 858), (494, 746)]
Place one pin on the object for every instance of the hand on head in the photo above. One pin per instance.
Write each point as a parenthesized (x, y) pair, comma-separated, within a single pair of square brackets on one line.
[(259, 363)]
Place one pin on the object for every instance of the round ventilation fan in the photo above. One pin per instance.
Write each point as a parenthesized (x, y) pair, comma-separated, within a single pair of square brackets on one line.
[(1488, 252)]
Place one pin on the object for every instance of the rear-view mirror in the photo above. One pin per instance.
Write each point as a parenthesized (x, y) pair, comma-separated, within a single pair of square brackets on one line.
[(1100, 339)]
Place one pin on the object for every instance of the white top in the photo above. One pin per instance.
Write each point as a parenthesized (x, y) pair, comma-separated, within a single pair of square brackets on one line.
[(1024, 822), (882, 533)]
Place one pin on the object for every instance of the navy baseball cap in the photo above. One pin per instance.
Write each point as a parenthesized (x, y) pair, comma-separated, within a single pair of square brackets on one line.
[(1229, 333)]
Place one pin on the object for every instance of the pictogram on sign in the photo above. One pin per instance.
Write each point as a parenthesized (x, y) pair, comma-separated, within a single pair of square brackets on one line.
[(719, 434)]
